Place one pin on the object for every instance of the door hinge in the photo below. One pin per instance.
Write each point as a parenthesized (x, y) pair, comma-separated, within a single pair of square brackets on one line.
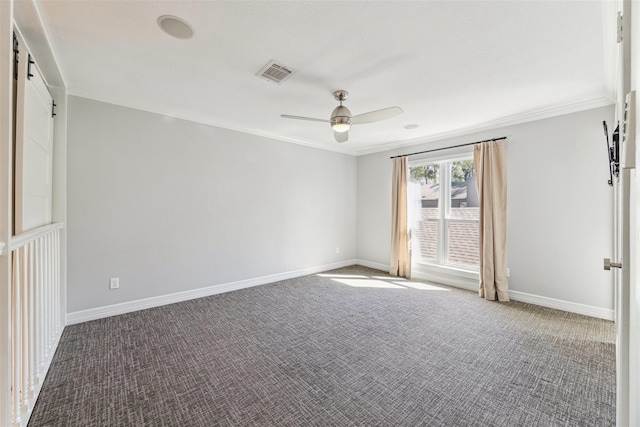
[(619, 27), (16, 52), (53, 108), (31, 62)]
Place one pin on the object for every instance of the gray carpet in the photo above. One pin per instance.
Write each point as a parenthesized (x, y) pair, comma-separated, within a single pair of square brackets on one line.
[(317, 352)]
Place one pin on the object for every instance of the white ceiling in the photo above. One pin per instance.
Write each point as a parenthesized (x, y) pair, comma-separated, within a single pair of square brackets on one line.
[(453, 66)]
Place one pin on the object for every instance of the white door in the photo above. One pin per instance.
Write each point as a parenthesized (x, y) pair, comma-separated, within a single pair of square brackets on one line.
[(626, 299), (626, 226), (34, 148), (623, 299)]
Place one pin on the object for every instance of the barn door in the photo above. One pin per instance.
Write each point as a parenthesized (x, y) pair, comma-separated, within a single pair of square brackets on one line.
[(33, 190)]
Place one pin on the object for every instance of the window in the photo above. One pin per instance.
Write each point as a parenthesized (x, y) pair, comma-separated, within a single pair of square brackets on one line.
[(444, 208)]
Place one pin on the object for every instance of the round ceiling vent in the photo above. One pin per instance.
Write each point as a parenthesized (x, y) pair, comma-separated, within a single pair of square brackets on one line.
[(175, 27)]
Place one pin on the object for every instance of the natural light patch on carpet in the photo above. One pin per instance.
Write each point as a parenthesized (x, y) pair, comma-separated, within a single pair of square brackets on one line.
[(348, 276), (368, 283), (422, 286), (358, 281)]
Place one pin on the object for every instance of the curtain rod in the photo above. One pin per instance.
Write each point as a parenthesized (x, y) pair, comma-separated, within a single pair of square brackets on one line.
[(446, 148)]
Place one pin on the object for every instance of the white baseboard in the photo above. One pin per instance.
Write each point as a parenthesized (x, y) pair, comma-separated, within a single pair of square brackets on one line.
[(130, 306), (472, 285), (469, 284), (572, 307), (141, 304), (374, 265)]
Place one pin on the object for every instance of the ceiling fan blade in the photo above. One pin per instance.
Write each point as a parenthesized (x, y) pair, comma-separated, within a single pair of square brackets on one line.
[(375, 116), (311, 119), (341, 136)]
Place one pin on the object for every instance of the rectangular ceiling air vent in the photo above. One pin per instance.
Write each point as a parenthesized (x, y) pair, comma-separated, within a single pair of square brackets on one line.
[(275, 72)]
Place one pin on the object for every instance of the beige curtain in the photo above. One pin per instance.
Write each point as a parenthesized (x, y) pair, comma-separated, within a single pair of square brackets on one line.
[(400, 264), (491, 177)]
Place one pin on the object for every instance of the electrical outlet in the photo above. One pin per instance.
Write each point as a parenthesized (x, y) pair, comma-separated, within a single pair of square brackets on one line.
[(337, 249), (508, 272), (114, 283)]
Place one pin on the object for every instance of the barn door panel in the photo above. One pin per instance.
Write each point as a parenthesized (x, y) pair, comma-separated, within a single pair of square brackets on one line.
[(33, 170)]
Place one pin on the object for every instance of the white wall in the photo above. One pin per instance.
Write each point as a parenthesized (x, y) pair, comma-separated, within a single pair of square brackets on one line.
[(168, 205), (559, 206)]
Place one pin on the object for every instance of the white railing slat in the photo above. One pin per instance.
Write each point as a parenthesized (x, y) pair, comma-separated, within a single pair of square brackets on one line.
[(32, 316), (36, 315), (15, 338), (25, 328)]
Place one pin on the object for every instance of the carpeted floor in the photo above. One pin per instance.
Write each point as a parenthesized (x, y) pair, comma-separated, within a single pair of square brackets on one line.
[(349, 347)]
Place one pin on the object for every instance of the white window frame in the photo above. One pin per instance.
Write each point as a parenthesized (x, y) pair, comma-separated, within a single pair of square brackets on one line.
[(441, 270)]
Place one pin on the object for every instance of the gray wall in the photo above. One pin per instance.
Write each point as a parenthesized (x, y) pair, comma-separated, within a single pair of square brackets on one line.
[(169, 205), (559, 206)]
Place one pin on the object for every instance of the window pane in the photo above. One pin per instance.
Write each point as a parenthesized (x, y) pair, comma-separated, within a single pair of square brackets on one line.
[(459, 212), (425, 240), (463, 243), (464, 192), (428, 177)]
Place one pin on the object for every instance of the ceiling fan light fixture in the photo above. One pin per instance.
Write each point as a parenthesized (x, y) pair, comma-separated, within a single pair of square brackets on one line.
[(341, 124), (341, 118)]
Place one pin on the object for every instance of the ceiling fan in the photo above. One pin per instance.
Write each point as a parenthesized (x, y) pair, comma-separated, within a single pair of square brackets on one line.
[(341, 118)]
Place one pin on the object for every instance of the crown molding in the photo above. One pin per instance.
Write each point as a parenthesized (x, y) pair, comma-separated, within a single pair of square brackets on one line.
[(196, 118), (493, 124), (486, 126)]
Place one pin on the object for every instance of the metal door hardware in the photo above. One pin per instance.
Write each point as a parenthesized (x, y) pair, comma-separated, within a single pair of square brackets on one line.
[(608, 264)]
